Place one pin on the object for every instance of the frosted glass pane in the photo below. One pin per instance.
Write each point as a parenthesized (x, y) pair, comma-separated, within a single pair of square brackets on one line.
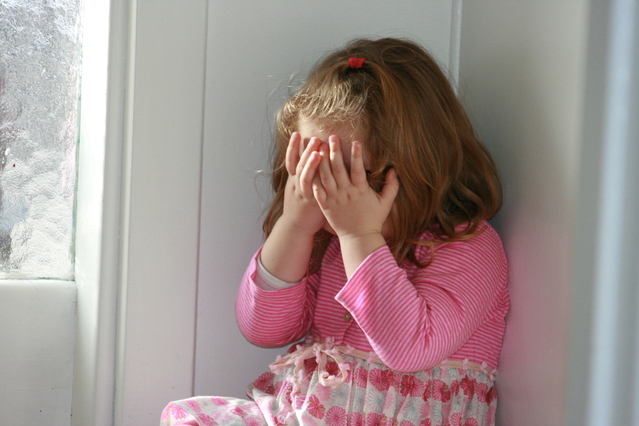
[(40, 44)]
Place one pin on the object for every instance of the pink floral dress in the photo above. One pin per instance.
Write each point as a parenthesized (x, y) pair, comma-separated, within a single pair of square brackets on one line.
[(453, 311), (325, 384)]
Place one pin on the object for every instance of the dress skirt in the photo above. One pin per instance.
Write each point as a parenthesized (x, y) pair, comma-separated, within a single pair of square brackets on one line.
[(325, 384)]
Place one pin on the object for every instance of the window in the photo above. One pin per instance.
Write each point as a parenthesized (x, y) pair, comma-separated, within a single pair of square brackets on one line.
[(40, 61)]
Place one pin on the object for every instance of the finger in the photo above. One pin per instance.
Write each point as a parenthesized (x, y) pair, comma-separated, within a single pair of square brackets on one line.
[(313, 146), (391, 187), (358, 171), (319, 192), (308, 173), (325, 172), (292, 153), (337, 162)]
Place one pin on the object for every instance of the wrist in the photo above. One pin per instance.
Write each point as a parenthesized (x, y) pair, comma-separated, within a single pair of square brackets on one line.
[(287, 251), (297, 227), (362, 238), (357, 247), (362, 245)]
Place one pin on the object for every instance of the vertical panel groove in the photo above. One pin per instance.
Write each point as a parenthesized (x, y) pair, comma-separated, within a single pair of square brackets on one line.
[(455, 43)]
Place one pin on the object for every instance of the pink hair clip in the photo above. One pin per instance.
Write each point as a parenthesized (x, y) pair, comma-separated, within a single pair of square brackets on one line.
[(356, 63)]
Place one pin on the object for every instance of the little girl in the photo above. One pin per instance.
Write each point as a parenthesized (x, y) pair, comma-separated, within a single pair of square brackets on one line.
[(378, 256)]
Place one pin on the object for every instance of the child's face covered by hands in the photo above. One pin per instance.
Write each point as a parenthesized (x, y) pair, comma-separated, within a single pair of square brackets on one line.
[(349, 204), (346, 134)]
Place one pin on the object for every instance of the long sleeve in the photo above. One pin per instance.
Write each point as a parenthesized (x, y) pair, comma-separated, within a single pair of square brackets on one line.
[(274, 317), (415, 319)]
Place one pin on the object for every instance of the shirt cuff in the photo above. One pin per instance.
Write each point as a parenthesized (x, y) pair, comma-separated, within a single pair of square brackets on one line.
[(267, 281)]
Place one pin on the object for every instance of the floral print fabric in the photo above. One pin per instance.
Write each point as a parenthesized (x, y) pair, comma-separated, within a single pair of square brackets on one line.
[(371, 394)]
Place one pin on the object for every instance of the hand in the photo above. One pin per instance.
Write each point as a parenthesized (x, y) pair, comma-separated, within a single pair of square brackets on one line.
[(301, 210), (351, 207)]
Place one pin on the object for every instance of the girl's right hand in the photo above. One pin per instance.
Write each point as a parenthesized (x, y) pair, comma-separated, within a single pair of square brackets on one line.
[(288, 248), (301, 210)]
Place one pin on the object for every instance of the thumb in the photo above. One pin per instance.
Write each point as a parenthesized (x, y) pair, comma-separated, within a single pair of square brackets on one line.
[(391, 187)]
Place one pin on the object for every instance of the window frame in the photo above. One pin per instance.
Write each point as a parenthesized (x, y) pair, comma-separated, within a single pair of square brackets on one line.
[(137, 234), (98, 211)]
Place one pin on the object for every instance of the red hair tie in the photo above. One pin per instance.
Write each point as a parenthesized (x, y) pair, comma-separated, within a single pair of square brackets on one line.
[(356, 63)]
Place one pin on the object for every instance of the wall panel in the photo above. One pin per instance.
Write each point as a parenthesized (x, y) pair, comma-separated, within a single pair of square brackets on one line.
[(522, 73), (253, 49)]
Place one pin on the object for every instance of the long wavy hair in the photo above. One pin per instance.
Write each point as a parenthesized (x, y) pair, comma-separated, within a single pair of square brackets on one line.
[(411, 120)]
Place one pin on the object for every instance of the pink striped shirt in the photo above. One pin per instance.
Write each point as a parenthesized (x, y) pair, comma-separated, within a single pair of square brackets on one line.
[(412, 318)]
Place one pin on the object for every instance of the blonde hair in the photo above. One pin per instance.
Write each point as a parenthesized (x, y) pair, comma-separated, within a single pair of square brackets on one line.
[(411, 120)]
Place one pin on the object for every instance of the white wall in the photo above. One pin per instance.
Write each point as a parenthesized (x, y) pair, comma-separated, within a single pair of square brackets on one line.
[(253, 49), (604, 355), (180, 134), (161, 201), (523, 69), (37, 320)]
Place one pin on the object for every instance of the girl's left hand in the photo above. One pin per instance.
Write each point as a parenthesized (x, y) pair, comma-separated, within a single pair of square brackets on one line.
[(351, 207)]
